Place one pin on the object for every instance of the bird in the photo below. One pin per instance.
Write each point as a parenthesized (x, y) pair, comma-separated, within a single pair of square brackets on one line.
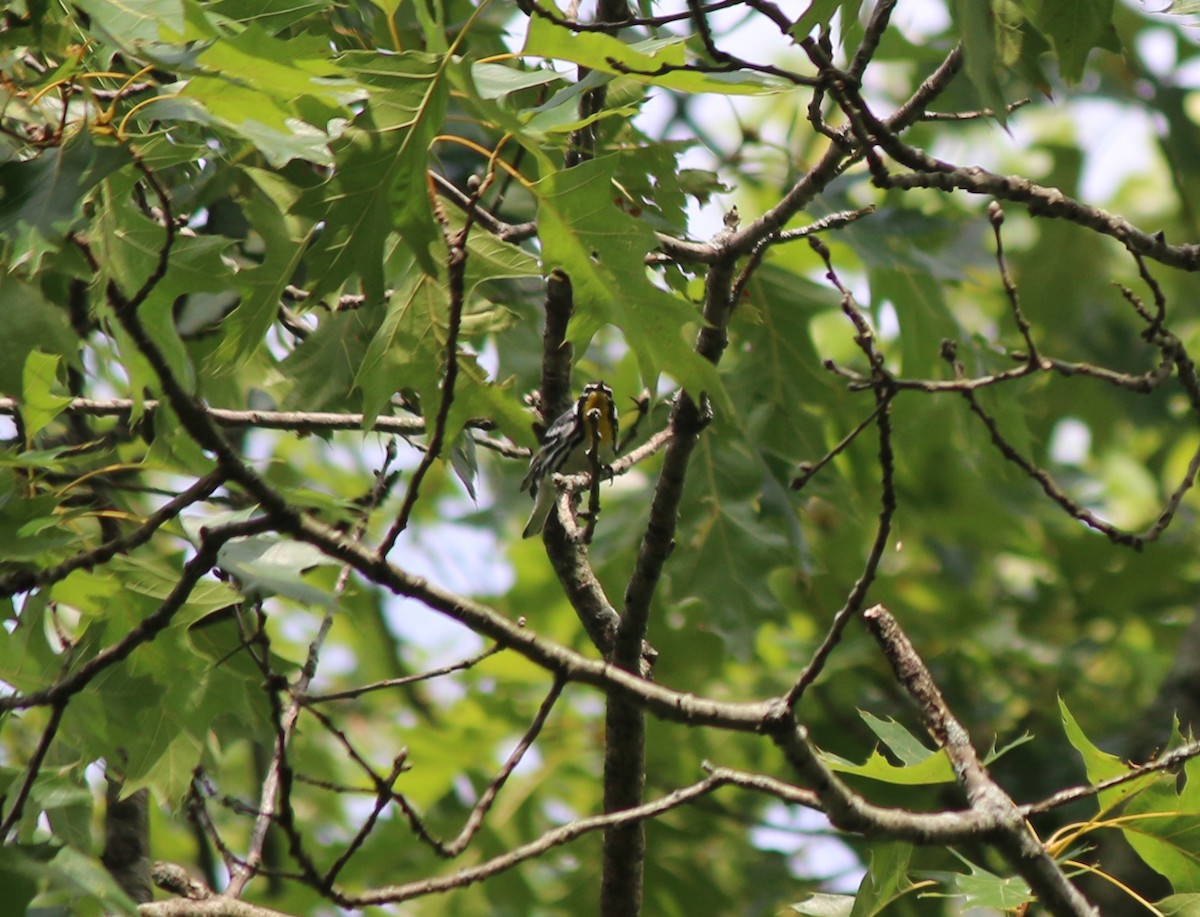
[(592, 420)]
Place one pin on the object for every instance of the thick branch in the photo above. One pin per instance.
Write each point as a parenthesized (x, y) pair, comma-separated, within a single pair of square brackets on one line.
[(1011, 833), (216, 906)]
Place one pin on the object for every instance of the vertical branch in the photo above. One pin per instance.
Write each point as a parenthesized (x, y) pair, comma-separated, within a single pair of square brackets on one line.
[(456, 268), (872, 35), (582, 144), (624, 786), (568, 556), (275, 795), (996, 218), (1013, 835), (625, 725), (688, 418), (557, 353), (127, 839)]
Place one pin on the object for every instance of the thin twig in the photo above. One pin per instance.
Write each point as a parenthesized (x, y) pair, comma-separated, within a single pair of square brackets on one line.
[(456, 267), (275, 791), (396, 893), (832, 221), (32, 769), (809, 469), (1168, 760), (480, 809), (996, 218), (881, 15), (885, 392), (531, 8), (973, 115), (354, 693)]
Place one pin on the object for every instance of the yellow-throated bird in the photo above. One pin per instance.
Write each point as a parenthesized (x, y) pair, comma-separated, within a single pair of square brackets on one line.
[(592, 419)]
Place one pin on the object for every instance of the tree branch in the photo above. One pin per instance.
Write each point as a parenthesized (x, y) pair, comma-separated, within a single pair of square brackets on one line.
[(456, 266), (146, 629), (27, 581), (1011, 833)]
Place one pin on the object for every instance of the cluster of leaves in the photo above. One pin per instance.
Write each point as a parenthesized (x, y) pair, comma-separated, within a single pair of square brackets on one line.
[(273, 292)]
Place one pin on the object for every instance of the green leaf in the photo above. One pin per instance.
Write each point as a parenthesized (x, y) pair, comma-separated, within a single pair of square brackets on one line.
[(933, 770), (494, 81), (1074, 28), (43, 197), (135, 22), (19, 870), (233, 679), (823, 904), (89, 592), (1102, 766), (63, 795), (921, 308), (1022, 47), (886, 880), (267, 124), (389, 7), (285, 239), (131, 246), (981, 889), (903, 744), (295, 72), (1187, 905), (156, 580), (1162, 823), (640, 61), (464, 461), (324, 367), (31, 322), (408, 350), (996, 753), (128, 244), (819, 13), (379, 183), (38, 406), (271, 15), (743, 529), (286, 97), (166, 758), (31, 526), (603, 249), (560, 113), (27, 661), (266, 565), (977, 26), (69, 877), (557, 114), (729, 553)]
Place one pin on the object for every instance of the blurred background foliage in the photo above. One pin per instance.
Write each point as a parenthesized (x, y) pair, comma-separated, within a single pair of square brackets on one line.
[(294, 139)]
